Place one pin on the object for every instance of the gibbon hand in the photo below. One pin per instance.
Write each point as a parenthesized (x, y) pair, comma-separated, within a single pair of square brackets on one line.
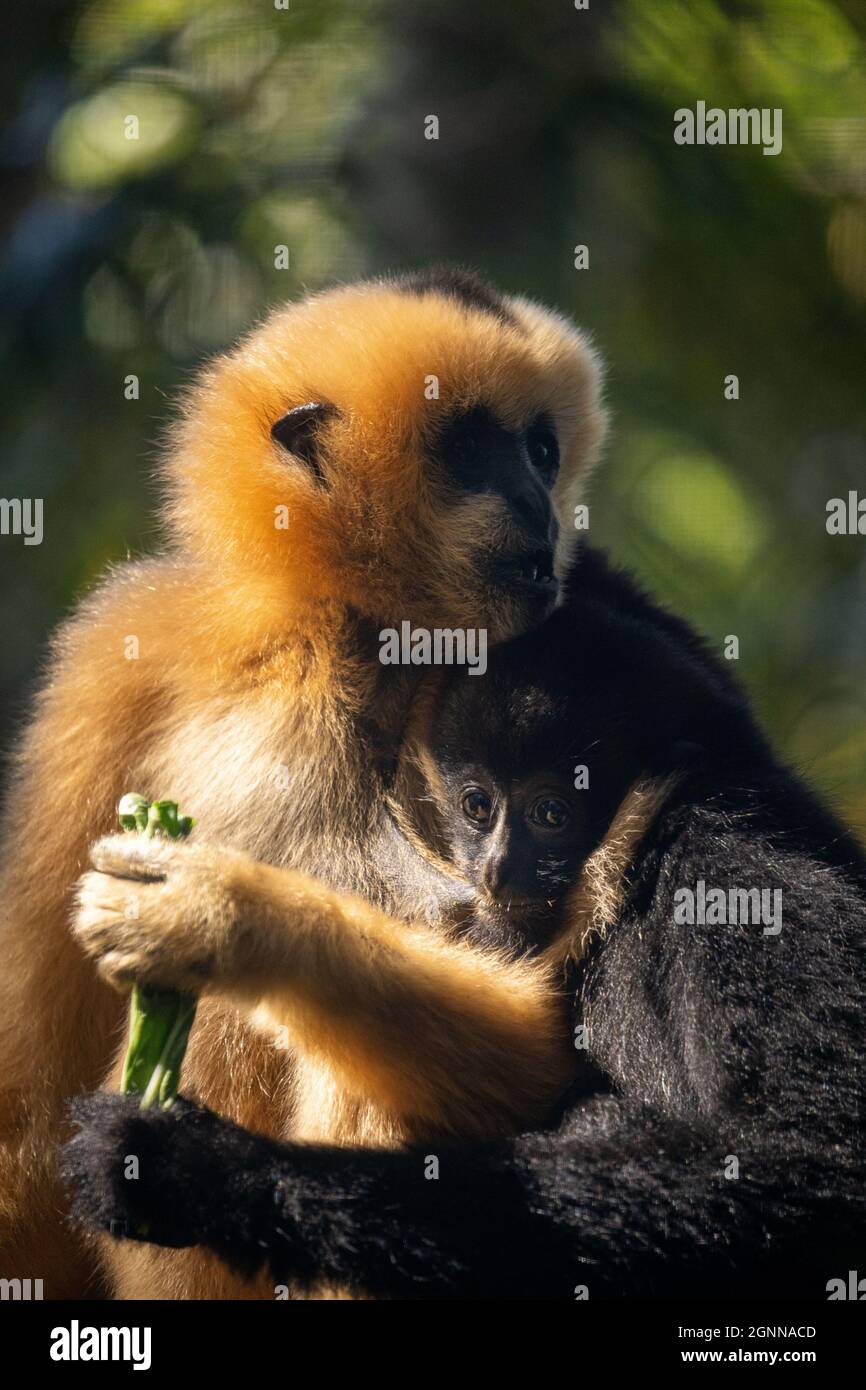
[(163, 912), (166, 1202), (200, 916)]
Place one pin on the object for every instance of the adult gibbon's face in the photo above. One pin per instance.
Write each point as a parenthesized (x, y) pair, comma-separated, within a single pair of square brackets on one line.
[(517, 468), (412, 453)]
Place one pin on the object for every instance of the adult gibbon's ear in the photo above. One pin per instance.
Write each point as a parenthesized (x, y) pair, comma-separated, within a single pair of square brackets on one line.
[(298, 433)]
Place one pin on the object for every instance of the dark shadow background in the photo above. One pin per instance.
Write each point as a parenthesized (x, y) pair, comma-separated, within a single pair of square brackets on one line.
[(305, 128)]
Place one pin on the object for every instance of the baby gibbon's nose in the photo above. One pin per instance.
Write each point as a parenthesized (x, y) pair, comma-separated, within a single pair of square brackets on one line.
[(494, 875)]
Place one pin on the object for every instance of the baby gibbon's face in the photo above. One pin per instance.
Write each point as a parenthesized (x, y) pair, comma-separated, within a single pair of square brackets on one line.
[(519, 842), (526, 777)]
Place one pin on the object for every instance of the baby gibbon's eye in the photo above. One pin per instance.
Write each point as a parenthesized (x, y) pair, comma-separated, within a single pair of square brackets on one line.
[(477, 805), (551, 813), (543, 450)]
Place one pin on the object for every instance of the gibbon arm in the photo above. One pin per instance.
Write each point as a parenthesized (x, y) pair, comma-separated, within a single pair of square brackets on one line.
[(440, 1036), (622, 1201)]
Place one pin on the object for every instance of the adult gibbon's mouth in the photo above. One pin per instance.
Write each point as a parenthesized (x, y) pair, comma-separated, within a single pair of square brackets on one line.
[(529, 573)]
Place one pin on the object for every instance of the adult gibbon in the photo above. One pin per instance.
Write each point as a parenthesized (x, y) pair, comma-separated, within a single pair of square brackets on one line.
[(399, 450), (714, 1145)]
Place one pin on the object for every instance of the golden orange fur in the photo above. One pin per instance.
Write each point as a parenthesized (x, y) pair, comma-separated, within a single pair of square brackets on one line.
[(596, 899), (326, 1012)]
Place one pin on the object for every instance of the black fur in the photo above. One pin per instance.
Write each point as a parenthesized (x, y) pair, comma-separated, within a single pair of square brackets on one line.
[(466, 286), (708, 1043)]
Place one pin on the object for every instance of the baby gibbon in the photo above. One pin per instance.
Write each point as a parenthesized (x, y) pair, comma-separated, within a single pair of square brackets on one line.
[(405, 450)]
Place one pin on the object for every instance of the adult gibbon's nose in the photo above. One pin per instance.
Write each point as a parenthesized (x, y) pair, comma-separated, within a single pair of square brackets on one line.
[(531, 505)]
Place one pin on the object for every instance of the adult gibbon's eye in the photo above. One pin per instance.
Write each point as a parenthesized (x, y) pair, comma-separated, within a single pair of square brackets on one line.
[(551, 813), (543, 450), (466, 446), (477, 806)]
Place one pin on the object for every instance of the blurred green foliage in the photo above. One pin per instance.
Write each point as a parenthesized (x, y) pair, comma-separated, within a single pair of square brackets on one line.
[(261, 126)]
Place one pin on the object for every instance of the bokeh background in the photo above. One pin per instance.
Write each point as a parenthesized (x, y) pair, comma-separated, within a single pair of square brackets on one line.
[(304, 126)]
